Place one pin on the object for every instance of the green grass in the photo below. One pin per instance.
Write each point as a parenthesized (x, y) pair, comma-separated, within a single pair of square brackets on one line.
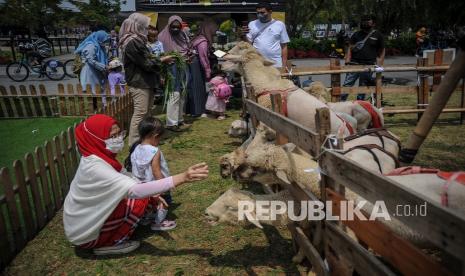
[(195, 247), (20, 136)]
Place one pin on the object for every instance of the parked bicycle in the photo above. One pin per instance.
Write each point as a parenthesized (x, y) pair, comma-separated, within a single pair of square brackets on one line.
[(33, 59), (69, 68)]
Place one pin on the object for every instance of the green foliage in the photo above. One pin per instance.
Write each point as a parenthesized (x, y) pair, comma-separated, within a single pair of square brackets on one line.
[(307, 44), (170, 81), (31, 14), (405, 43), (227, 27), (97, 12)]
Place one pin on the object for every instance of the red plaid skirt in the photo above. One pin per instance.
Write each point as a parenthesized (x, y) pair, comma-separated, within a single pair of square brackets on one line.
[(121, 224)]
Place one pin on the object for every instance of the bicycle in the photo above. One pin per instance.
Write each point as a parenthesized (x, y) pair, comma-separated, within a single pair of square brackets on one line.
[(69, 68), (20, 70)]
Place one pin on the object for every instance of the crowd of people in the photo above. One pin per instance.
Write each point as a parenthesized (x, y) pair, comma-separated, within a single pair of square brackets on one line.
[(107, 201)]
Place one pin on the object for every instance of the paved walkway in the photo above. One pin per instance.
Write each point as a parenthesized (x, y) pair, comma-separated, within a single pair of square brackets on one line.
[(51, 86)]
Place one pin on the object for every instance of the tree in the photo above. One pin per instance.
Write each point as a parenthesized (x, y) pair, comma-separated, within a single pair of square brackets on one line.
[(31, 14), (97, 13), (301, 12)]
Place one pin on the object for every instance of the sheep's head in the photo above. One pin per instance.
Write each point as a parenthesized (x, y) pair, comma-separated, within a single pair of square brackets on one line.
[(229, 162), (225, 208), (238, 128), (239, 55), (262, 162), (318, 90)]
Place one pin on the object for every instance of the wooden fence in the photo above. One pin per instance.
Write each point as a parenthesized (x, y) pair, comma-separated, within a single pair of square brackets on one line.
[(435, 65), (35, 190), (36, 102), (329, 240)]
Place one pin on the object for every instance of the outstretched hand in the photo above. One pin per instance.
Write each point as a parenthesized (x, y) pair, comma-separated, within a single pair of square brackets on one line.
[(196, 172)]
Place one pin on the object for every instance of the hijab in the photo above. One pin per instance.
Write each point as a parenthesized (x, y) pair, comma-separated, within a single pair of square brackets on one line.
[(100, 126), (207, 30), (178, 43), (95, 38), (134, 27)]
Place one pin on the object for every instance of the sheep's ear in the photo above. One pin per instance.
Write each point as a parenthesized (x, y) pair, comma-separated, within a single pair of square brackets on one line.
[(268, 62), (281, 175), (289, 147)]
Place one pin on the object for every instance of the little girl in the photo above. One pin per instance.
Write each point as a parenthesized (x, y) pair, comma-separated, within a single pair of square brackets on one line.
[(218, 95), (148, 164), (116, 77)]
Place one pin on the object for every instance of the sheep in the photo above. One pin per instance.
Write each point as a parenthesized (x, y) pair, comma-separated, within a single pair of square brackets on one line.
[(230, 161), (273, 164), (354, 109), (265, 80), (238, 128), (225, 208)]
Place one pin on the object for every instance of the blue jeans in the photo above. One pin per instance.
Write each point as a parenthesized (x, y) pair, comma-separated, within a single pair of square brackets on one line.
[(366, 79)]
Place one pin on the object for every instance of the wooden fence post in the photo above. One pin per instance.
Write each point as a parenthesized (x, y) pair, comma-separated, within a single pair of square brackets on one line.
[(13, 212), (62, 100), (32, 174), (26, 101), (7, 102), (423, 87), (24, 199), (16, 102), (71, 100), (277, 106), (44, 181), (334, 64)]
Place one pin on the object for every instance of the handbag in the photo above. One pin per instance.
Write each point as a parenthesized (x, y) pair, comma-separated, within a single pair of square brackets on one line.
[(359, 45)]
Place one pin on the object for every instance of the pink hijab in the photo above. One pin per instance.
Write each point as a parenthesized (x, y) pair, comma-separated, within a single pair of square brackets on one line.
[(133, 27), (179, 43), (207, 30)]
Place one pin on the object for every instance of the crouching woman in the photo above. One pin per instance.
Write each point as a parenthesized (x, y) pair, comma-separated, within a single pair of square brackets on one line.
[(103, 206)]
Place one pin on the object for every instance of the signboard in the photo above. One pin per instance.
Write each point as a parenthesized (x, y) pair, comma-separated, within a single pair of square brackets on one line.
[(204, 6)]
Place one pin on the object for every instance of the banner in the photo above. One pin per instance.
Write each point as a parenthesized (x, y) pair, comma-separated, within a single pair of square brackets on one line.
[(205, 6)]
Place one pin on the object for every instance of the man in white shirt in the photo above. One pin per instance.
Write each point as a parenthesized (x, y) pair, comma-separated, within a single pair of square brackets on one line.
[(268, 36)]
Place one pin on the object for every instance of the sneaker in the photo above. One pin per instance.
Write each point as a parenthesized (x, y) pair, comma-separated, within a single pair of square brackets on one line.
[(164, 225), (221, 118), (123, 248), (203, 115), (174, 128)]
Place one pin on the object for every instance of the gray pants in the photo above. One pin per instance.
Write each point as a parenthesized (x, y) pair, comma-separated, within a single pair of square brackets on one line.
[(143, 101), (175, 109)]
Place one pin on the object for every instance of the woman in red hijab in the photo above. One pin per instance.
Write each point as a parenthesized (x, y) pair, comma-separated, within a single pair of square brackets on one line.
[(103, 206)]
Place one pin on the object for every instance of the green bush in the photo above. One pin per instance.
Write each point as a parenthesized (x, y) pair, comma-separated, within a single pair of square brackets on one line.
[(307, 44), (405, 43)]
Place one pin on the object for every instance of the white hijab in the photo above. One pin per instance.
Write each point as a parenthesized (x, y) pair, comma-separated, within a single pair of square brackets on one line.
[(96, 190)]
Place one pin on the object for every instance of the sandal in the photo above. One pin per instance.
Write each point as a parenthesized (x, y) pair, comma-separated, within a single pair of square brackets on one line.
[(164, 225), (221, 118)]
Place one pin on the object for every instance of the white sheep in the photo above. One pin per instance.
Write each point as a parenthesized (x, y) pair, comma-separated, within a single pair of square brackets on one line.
[(354, 109), (264, 79), (238, 128)]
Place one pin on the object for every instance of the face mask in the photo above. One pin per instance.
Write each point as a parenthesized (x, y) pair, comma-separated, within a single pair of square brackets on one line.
[(175, 31), (263, 18), (114, 145), (365, 26)]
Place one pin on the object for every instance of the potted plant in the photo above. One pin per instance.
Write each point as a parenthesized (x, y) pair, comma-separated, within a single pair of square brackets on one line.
[(5, 57)]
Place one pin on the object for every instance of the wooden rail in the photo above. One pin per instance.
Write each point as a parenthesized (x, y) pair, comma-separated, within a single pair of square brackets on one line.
[(434, 66), (71, 100)]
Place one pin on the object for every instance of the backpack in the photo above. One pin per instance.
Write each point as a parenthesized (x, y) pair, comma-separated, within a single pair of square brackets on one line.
[(221, 88), (43, 47)]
